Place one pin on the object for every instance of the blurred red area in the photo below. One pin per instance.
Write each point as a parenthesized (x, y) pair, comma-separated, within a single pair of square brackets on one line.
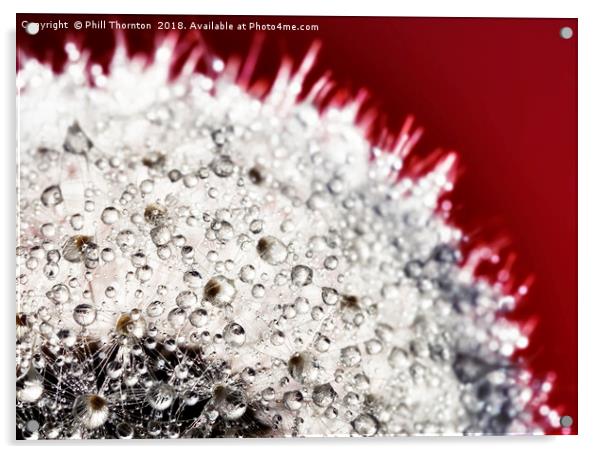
[(500, 92)]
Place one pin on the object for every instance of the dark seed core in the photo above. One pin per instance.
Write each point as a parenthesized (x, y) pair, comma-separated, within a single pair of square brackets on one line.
[(97, 402), (263, 245), (212, 289), (256, 176), (350, 302)]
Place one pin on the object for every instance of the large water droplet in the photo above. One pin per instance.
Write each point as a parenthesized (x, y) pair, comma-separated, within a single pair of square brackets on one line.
[(324, 395), (220, 291), (160, 396), (301, 275), (303, 367), (198, 318), (193, 278), (84, 314), (351, 356), (272, 250), (365, 425), (110, 215), (234, 335), (222, 166), (160, 235), (91, 410), (230, 402), (76, 141), (52, 196), (76, 246), (155, 214)]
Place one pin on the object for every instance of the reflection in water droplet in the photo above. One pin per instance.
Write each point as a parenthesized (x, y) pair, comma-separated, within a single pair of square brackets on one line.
[(84, 314), (91, 410), (160, 396), (52, 196), (110, 215), (220, 291), (365, 425), (301, 275), (271, 250), (234, 335)]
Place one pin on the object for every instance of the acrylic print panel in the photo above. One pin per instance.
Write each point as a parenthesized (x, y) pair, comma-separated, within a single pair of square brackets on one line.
[(295, 226)]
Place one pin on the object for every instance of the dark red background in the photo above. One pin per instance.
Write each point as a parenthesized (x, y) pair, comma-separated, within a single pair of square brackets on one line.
[(501, 92)]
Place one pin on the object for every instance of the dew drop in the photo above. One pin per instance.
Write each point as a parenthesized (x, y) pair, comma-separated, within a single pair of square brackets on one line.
[(302, 367), (52, 196), (323, 395), (76, 141), (272, 250), (220, 291), (155, 309), (160, 235), (177, 317), (124, 431), (301, 275), (110, 215), (234, 335), (186, 299), (160, 396), (247, 274), (222, 166), (155, 214), (84, 314), (351, 356), (198, 318), (366, 425), (75, 248), (293, 400), (330, 296), (193, 279)]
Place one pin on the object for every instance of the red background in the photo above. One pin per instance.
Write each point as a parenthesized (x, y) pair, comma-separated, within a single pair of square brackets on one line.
[(501, 92)]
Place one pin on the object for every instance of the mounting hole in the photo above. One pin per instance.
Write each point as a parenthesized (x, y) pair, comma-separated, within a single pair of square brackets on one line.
[(566, 421), (32, 28), (566, 32), (32, 426)]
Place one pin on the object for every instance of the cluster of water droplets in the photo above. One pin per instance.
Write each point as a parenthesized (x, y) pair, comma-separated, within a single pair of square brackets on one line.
[(195, 262)]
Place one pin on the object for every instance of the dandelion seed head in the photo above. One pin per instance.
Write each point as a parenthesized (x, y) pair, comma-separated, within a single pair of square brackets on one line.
[(196, 262)]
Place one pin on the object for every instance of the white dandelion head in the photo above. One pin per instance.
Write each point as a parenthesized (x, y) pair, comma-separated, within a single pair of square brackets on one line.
[(197, 261)]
